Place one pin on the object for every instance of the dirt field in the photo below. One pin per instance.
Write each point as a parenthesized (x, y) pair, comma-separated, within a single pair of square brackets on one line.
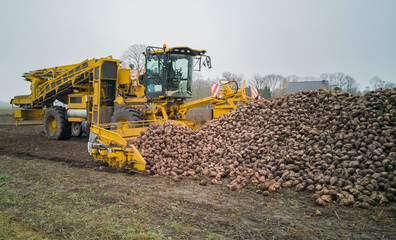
[(55, 189)]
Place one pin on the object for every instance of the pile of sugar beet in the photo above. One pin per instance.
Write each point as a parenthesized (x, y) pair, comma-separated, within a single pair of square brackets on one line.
[(340, 147)]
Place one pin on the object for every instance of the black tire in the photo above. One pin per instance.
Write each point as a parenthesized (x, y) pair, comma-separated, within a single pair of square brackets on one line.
[(86, 127), (56, 125), (126, 114), (76, 130)]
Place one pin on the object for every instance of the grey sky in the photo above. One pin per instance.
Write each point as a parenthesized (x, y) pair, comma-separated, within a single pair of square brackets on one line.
[(305, 38)]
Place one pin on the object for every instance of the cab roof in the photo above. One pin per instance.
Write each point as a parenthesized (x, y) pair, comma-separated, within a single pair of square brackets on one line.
[(181, 50)]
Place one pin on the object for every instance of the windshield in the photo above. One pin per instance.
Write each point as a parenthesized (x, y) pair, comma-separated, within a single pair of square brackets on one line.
[(179, 75), (154, 72)]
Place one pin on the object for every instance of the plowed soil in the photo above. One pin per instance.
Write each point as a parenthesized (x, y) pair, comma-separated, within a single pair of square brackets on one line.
[(55, 189)]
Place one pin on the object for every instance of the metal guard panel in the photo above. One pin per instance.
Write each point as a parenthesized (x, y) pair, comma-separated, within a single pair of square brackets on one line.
[(108, 137), (115, 150), (187, 123)]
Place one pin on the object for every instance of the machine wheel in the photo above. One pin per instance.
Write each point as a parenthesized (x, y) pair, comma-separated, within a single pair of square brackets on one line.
[(86, 127), (76, 130), (56, 125), (126, 114)]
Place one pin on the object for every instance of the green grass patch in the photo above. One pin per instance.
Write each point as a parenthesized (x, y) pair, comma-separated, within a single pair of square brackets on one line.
[(76, 214), (10, 229), (176, 225), (4, 176), (176, 204)]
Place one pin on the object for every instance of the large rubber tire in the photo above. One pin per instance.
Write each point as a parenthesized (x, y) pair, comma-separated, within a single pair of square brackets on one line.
[(76, 130), (86, 127), (56, 125), (126, 114)]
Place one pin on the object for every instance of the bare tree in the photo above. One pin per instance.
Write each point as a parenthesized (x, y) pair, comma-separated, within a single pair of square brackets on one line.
[(339, 80), (389, 85), (342, 81), (324, 76), (273, 81), (281, 89), (233, 77), (258, 81), (334, 79), (292, 78), (366, 90), (376, 82), (134, 54), (350, 85), (201, 88)]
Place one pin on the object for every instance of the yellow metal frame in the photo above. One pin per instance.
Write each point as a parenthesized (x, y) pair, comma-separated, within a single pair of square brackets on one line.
[(111, 144), (174, 109), (219, 111), (26, 116), (226, 103), (188, 123), (83, 104), (74, 119), (49, 82)]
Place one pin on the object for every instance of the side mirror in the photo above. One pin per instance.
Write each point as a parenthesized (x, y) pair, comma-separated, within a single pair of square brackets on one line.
[(148, 53), (200, 61), (208, 62)]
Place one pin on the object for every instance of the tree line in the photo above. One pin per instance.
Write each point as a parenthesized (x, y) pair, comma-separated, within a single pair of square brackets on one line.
[(275, 85), (269, 86)]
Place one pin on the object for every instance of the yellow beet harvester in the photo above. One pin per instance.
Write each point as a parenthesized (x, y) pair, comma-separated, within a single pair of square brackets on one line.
[(112, 103)]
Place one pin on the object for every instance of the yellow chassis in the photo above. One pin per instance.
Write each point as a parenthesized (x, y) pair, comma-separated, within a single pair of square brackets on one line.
[(111, 142)]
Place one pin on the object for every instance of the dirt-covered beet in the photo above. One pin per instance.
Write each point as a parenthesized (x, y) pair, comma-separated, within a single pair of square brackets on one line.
[(342, 147)]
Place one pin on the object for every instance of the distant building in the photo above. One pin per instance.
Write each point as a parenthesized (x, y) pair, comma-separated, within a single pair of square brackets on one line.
[(308, 85)]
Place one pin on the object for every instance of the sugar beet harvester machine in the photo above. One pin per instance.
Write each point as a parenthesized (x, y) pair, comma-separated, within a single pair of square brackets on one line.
[(112, 103)]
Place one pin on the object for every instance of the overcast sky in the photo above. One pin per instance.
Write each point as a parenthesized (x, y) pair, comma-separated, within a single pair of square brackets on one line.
[(305, 37)]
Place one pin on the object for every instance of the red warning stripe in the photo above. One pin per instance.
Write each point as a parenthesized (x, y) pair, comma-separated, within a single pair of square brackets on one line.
[(254, 92), (215, 90)]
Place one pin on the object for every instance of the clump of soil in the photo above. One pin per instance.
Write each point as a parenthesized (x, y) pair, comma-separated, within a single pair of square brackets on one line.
[(342, 147)]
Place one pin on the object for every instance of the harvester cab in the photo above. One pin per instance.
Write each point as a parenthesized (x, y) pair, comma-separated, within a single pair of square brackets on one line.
[(169, 71)]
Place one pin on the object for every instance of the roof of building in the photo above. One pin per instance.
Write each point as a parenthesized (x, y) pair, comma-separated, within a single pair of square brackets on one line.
[(312, 85)]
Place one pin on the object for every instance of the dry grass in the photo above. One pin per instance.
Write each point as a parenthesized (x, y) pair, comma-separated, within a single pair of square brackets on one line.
[(43, 199)]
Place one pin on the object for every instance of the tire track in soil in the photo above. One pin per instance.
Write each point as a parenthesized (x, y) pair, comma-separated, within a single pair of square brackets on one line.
[(30, 142)]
